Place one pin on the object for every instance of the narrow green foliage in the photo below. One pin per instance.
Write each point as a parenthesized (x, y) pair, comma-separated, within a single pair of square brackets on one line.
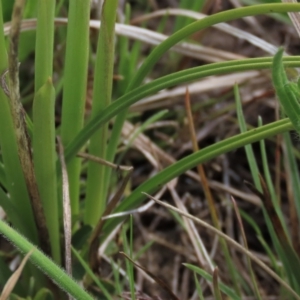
[(96, 195), (44, 156), (181, 166), (285, 91), (269, 182), (128, 251), (13, 172), (44, 42), (217, 292), (118, 285), (223, 16), (44, 294), (156, 54), (186, 4), (292, 171), (248, 148), (142, 128), (59, 277), (164, 82), (198, 287), (91, 274), (127, 65), (74, 87), (224, 288), (259, 235)]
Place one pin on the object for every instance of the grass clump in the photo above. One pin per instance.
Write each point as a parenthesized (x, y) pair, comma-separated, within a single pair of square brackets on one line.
[(97, 125)]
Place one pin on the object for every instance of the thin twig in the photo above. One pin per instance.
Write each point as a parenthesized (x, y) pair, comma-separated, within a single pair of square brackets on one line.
[(104, 162)]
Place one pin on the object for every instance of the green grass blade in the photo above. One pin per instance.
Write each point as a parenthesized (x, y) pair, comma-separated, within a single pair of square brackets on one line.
[(293, 172), (95, 201), (198, 287), (140, 129), (248, 148), (44, 42), (128, 251), (269, 182), (44, 156), (91, 274), (285, 91), (157, 53), (186, 4), (191, 161), (39, 259), (224, 288), (74, 87), (223, 16), (165, 82), (14, 175)]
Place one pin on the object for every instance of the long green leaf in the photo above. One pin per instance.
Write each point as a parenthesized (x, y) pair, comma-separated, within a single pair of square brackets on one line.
[(162, 83), (44, 263), (95, 194), (44, 156), (14, 176), (191, 161), (74, 87)]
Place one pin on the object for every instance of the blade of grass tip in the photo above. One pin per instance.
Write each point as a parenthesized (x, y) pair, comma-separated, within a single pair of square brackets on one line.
[(160, 282), (94, 242), (9, 286), (24, 148), (46, 265), (66, 209), (129, 266), (44, 42), (43, 131), (231, 242), (240, 222), (208, 194), (248, 148), (74, 88), (91, 274), (95, 201), (217, 292), (44, 158)]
